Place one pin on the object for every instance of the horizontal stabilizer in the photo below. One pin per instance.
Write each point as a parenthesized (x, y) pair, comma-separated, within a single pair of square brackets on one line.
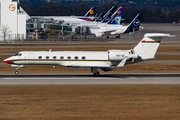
[(149, 35)]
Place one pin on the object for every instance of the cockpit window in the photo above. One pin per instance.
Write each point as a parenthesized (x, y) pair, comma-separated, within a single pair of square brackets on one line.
[(18, 54)]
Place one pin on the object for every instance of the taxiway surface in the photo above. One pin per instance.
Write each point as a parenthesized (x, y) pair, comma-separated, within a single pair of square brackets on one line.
[(76, 79)]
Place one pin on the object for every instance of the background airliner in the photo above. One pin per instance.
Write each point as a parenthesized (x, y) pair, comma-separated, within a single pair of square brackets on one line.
[(105, 60), (89, 16), (111, 27), (116, 29)]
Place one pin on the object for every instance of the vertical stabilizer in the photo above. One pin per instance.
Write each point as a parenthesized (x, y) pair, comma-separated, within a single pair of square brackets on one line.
[(147, 47), (115, 14), (135, 24), (90, 12)]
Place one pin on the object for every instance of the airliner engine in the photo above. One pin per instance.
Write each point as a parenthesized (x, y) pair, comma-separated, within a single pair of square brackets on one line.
[(99, 34)]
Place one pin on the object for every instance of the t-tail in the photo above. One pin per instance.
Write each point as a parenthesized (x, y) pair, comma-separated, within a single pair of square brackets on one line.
[(135, 24), (90, 12), (147, 47)]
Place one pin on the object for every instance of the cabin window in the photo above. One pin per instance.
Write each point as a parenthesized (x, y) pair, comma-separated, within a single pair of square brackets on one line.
[(83, 57), (40, 57), (76, 57), (47, 57), (61, 57), (54, 57), (69, 57)]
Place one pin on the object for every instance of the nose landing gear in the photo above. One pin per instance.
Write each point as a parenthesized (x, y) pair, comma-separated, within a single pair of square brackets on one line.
[(17, 67), (16, 72)]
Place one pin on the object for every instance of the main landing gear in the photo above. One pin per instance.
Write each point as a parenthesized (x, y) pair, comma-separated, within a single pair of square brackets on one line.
[(95, 72)]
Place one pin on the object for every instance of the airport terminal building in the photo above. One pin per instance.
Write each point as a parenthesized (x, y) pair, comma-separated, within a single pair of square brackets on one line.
[(12, 21)]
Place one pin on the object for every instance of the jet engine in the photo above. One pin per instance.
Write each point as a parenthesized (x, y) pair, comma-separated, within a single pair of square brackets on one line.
[(117, 32), (118, 55), (99, 34)]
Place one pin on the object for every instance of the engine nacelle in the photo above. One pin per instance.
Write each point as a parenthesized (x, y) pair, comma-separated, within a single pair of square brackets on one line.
[(117, 55), (99, 34), (117, 32)]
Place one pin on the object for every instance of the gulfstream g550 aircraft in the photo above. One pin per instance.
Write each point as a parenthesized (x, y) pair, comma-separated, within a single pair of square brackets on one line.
[(105, 60)]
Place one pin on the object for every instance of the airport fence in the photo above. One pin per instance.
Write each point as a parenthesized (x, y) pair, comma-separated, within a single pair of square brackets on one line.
[(136, 37)]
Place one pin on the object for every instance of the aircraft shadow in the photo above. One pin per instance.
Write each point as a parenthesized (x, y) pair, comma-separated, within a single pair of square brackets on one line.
[(91, 76)]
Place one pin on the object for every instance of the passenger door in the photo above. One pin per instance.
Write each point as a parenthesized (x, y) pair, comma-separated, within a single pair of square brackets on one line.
[(31, 57)]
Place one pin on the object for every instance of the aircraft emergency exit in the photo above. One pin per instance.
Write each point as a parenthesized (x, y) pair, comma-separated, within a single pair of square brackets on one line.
[(105, 60)]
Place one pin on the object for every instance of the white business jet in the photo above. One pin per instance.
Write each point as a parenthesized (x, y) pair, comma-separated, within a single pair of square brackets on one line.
[(105, 60)]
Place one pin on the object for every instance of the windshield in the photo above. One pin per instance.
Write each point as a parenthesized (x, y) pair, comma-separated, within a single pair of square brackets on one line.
[(18, 54)]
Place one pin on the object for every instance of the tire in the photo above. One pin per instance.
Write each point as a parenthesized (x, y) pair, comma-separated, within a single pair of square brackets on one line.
[(16, 73)]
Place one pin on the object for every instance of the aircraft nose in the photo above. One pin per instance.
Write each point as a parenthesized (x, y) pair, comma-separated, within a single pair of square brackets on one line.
[(8, 61)]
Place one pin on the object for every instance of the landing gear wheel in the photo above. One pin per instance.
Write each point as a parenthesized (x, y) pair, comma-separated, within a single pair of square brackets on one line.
[(96, 74), (16, 72)]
